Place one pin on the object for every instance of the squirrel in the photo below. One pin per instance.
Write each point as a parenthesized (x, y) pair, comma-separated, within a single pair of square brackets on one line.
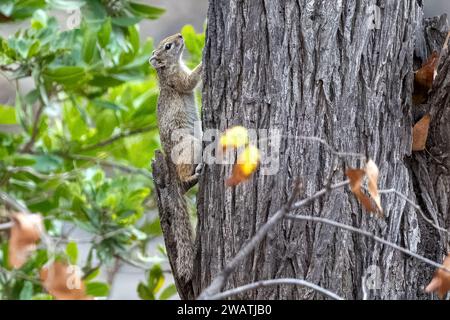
[(177, 111), (178, 120)]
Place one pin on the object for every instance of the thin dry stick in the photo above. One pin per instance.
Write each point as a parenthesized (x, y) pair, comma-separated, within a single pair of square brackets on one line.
[(6, 226), (16, 205), (219, 281), (415, 206), (274, 282), (13, 203), (35, 130), (110, 164), (331, 149), (119, 136), (39, 175), (325, 144), (366, 234)]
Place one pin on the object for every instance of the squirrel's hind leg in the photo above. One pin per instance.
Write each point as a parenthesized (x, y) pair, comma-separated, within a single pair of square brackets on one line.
[(187, 178)]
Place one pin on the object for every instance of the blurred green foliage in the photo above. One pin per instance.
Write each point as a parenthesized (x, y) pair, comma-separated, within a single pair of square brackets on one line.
[(85, 137)]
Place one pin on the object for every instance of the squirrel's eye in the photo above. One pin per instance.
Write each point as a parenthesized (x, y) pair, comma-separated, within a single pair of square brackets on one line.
[(168, 46)]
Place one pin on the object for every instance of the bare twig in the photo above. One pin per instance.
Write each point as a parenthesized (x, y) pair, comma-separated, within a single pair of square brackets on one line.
[(369, 235), (274, 282), (219, 281), (6, 226), (16, 205), (331, 149), (39, 175), (116, 137), (29, 145), (108, 163), (13, 203), (325, 144), (415, 206), (96, 239)]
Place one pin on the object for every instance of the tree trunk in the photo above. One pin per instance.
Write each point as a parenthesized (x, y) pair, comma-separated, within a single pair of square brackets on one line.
[(317, 68)]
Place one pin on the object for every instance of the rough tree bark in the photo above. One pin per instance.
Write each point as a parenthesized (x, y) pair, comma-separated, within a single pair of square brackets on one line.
[(316, 68)]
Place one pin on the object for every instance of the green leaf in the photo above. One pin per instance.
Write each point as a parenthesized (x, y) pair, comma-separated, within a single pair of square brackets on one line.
[(146, 11), (133, 37), (89, 45), (42, 296), (39, 20), (7, 115), (109, 105), (94, 13), (34, 49), (27, 291), (105, 33), (126, 21), (7, 8), (72, 252), (144, 292), (47, 163), (155, 278), (168, 292), (66, 4), (153, 228), (97, 289), (65, 74), (91, 274), (105, 81)]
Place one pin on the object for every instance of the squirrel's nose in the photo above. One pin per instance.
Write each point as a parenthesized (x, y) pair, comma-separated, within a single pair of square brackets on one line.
[(180, 36)]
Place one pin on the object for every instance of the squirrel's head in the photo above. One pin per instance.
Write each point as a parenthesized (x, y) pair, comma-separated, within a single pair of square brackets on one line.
[(168, 52)]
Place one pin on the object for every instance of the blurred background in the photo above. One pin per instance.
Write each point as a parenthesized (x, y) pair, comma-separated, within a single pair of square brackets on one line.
[(179, 13)]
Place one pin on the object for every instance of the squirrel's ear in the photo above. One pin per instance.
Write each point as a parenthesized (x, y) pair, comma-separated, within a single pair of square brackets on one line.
[(156, 63)]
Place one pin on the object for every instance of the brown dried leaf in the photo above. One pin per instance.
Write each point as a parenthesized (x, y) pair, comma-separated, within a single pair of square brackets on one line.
[(372, 175), (63, 282), (425, 76), (420, 133), (441, 281), (25, 233), (356, 177)]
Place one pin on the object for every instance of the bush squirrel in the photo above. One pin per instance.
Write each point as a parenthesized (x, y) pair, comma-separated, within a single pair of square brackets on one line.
[(177, 120), (177, 111)]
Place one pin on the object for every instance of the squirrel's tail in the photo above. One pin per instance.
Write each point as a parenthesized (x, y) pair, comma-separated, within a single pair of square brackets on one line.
[(182, 230)]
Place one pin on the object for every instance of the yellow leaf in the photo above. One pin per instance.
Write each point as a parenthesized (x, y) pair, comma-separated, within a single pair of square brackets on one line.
[(234, 138), (246, 164)]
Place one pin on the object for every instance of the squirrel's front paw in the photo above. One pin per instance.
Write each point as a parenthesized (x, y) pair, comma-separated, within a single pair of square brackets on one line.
[(199, 169)]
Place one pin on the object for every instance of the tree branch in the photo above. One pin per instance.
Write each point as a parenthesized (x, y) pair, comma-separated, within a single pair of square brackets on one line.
[(369, 235), (6, 226), (274, 282), (219, 281), (116, 137), (29, 145), (175, 224), (108, 163), (13, 203), (415, 206)]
